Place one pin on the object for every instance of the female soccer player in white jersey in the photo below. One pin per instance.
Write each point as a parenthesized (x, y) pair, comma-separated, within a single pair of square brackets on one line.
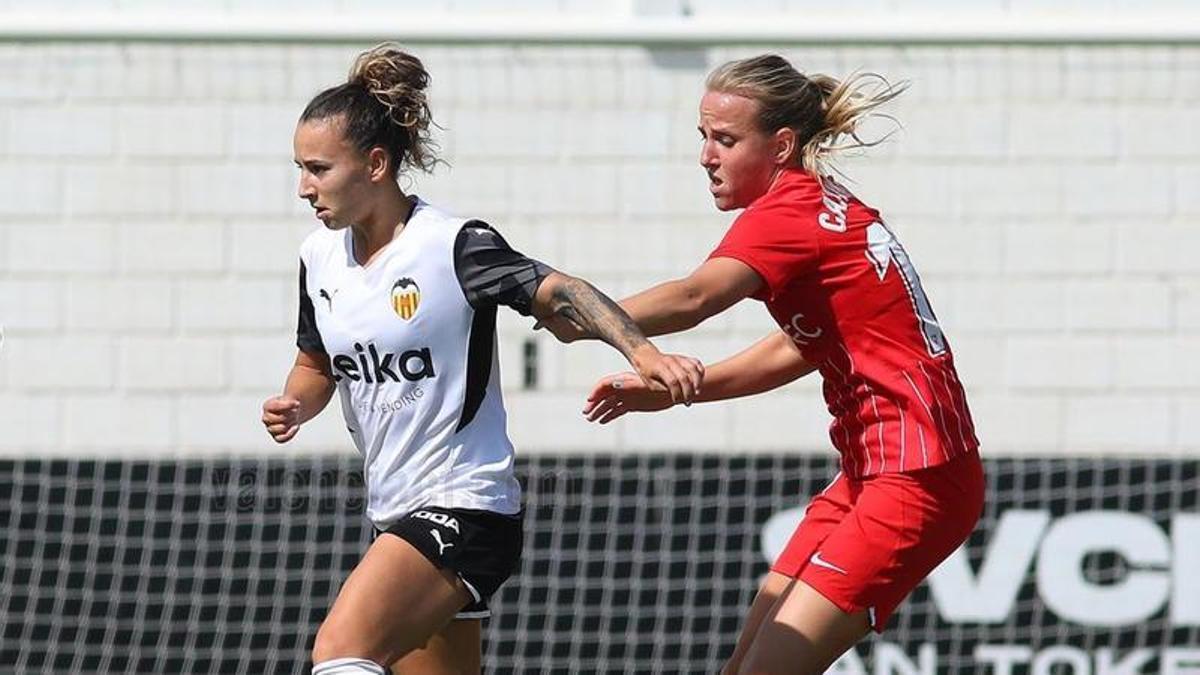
[(397, 314), (850, 305)]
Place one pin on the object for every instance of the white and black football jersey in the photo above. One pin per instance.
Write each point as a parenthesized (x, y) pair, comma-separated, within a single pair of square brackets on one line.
[(411, 338)]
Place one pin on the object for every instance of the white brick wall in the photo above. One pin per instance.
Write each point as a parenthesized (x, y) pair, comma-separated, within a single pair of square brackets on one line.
[(31, 422), (149, 228), (78, 248), (1119, 423), (31, 306), (80, 131), (173, 249), (130, 424), (172, 364), (236, 305), (1118, 305), (1059, 363), (125, 306), (1021, 423), (60, 363), (102, 189), (32, 187)]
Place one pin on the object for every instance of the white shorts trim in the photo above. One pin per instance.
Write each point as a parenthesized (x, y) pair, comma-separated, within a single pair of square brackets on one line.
[(348, 665), (474, 593)]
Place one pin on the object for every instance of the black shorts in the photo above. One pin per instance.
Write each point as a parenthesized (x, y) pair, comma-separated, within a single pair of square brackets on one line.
[(481, 547)]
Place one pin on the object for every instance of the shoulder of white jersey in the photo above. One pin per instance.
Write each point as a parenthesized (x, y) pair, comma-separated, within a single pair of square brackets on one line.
[(320, 240), (446, 224), (451, 225)]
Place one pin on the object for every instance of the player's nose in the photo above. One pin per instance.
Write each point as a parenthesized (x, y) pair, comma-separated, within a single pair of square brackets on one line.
[(306, 191)]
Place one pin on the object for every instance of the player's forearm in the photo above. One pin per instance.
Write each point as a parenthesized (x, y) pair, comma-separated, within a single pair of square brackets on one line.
[(596, 313), (669, 307), (767, 364), (311, 387)]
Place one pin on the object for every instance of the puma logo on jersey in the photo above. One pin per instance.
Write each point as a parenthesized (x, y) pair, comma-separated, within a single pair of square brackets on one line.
[(329, 298), (446, 521), (442, 546)]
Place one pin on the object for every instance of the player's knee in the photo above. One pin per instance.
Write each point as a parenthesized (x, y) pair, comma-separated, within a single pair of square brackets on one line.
[(334, 642)]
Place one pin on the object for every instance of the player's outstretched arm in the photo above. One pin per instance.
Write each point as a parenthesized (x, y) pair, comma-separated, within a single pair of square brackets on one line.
[(769, 363), (577, 301), (307, 391), (684, 303), (678, 305)]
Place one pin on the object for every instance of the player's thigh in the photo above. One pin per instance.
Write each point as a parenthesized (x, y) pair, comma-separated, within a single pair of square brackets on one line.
[(824, 514), (773, 587), (392, 603), (804, 634), (454, 650)]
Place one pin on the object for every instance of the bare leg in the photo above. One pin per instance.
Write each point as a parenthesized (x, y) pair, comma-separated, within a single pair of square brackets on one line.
[(773, 587), (803, 635), (394, 601), (453, 651)]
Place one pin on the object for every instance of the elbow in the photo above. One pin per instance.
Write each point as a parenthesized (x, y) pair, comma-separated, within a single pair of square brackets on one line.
[(696, 307), (559, 289), (550, 296)]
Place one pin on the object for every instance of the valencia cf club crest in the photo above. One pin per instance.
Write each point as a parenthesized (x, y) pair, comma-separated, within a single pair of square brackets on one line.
[(406, 297)]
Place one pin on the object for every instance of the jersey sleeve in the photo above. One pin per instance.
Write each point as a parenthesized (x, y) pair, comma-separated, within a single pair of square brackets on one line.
[(775, 243), (491, 273), (308, 338)]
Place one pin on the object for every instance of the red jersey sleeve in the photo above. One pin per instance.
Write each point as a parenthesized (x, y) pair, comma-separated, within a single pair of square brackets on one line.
[(776, 242)]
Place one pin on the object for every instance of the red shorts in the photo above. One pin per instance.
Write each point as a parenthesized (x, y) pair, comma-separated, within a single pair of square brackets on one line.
[(866, 544)]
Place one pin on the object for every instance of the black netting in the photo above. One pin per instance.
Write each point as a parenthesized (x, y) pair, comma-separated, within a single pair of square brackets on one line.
[(633, 564)]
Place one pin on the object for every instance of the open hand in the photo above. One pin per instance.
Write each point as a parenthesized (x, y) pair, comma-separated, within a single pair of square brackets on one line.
[(618, 394)]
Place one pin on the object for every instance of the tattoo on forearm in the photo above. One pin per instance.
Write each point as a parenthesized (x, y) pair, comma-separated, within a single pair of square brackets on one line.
[(580, 302)]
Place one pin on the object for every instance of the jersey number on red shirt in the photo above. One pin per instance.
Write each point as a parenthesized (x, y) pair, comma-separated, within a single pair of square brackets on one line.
[(882, 248)]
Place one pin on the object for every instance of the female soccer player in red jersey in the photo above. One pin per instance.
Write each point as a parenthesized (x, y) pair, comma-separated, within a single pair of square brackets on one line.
[(850, 305)]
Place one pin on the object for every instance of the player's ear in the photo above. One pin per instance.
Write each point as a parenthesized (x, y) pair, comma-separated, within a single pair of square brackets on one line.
[(379, 164), (785, 145)]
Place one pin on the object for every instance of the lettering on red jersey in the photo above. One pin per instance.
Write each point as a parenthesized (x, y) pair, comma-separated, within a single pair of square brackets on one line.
[(836, 201)]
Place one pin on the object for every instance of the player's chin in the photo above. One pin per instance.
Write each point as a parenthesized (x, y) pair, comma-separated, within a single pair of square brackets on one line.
[(724, 203)]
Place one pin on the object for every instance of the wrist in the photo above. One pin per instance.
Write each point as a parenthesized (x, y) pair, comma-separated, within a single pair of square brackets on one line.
[(642, 355)]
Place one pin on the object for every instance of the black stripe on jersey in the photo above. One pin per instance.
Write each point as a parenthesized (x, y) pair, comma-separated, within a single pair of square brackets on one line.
[(479, 363), (308, 338)]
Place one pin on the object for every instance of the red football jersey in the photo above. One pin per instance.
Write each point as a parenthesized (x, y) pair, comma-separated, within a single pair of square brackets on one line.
[(840, 284)]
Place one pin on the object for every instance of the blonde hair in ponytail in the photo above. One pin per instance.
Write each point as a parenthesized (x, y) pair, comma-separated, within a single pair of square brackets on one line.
[(823, 111)]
